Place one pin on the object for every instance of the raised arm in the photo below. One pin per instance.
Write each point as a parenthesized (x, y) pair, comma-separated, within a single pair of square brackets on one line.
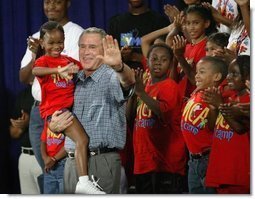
[(217, 16), (148, 39), (245, 10), (179, 44), (25, 73)]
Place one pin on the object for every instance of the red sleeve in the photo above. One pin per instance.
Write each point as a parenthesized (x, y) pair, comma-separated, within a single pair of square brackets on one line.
[(40, 62)]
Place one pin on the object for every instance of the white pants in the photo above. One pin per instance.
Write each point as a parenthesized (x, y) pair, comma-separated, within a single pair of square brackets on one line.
[(29, 170)]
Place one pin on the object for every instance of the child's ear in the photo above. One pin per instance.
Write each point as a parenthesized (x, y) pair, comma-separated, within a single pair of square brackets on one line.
[(207, 23), (41, 43), (217, 77)]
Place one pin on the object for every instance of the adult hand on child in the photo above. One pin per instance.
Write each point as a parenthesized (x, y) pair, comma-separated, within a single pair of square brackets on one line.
[(60, 121)]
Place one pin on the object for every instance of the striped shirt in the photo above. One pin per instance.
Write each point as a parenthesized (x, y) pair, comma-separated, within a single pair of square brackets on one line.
[(99, 104)]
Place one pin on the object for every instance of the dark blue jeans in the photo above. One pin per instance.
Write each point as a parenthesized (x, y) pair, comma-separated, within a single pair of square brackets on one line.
[(196, 176)]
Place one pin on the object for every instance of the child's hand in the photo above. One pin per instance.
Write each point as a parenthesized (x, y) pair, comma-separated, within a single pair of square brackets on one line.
[(227, 110), (171, 11), (49, 163), (179, 44), (179, 21), (242, 2), (214, 11), (67, 71), (139, 86), (226, 54), (248, 85), (126, 52), (212, 97)]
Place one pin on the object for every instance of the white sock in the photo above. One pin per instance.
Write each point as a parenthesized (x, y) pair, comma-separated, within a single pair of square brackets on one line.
[(84, 178)]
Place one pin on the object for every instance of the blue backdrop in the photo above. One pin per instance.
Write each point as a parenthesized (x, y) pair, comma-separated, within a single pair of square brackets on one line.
[(18, 19)]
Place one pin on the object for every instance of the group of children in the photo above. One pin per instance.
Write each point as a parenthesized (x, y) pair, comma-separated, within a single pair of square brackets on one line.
[(215, 123), (191, 94)]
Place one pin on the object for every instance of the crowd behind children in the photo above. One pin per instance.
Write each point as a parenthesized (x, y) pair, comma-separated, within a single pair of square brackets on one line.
[(169, 114)]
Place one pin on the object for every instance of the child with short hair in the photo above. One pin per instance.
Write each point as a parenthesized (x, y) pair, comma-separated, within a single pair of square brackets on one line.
[(55, 74), (229, 163), (159, 148), (196, 122)]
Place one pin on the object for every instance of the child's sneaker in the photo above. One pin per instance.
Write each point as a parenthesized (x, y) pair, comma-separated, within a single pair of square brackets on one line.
[(85, 186)]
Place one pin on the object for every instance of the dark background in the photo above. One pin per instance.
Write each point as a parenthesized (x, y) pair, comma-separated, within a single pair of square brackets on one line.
[(18, 20)]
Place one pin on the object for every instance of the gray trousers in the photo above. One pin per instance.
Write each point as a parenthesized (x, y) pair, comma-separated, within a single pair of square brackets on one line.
[(106, 167)]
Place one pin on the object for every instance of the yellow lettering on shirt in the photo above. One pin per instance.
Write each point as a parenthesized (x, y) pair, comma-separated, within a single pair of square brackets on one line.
[(221, 123), (189, 110)]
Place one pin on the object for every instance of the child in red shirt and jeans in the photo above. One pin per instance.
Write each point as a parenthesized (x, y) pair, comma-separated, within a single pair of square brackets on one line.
[(197, 121)]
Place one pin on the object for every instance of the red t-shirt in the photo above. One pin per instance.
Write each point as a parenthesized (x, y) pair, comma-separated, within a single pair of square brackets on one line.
[(54, 142), (57, 93), (193, 53), (194, 126), (158, 144), (229, 162)]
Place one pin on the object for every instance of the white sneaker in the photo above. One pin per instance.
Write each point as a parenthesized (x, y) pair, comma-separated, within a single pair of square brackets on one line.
[(88, 187)]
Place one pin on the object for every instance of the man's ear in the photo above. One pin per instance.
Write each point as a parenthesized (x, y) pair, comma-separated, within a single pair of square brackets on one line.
[(68, 3)]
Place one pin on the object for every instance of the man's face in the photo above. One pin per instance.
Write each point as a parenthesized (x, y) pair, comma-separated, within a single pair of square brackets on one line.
[(56, 10), (90, 45)]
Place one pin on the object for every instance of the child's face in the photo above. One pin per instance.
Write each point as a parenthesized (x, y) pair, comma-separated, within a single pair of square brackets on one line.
[(205, 75), (234, 77), (196, 25), (53, 43), (159, 62), (211, 49)]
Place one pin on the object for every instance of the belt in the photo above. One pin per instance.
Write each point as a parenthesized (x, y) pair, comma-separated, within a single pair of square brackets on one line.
[(200, 155), (94, 152), (37, 103), (27, 151)]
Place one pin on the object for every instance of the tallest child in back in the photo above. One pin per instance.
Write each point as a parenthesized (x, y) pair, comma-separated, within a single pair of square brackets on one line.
[(55, 72), (199, 24)]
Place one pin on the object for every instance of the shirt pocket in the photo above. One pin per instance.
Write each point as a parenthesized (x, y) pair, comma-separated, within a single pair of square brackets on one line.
[(94, 111)]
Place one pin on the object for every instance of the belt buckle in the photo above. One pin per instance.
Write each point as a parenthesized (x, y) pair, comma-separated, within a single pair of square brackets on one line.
[(71, 154)]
